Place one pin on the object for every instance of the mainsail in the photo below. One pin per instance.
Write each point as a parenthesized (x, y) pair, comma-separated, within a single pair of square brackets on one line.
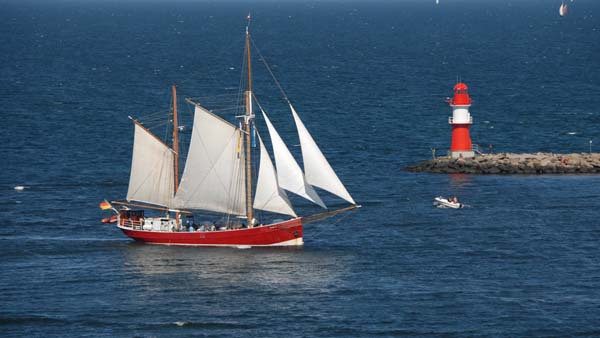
[(152, 174), (213, 178), (317, 170), (269, 196), (289, 174)]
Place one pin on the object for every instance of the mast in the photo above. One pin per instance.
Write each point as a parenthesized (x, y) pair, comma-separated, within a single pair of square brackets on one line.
[(175, 147), (248, 120)]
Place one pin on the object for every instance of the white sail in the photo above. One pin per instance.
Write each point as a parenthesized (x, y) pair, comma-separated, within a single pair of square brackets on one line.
[(269, 196), (152, 171), (317, 170), (214, 176), (289, 174), (562, 11)]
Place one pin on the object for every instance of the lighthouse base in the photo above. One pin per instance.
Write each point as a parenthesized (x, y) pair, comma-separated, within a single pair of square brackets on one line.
[(462, 154)]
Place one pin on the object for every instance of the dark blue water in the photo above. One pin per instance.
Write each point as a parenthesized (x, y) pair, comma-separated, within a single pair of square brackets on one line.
[(369, 80)]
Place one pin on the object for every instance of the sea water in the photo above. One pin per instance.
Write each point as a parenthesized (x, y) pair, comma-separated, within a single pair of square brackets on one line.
[(369, 79)]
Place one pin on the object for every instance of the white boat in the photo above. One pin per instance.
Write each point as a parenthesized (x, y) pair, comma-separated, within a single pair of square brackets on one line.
[(442, 202), (562, 11)]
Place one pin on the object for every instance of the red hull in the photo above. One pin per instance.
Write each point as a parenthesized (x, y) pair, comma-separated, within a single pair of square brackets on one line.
[(288, 233)]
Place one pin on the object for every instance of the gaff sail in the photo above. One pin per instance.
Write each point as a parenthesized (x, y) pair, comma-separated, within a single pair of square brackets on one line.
[(152, 173), (214, 177)]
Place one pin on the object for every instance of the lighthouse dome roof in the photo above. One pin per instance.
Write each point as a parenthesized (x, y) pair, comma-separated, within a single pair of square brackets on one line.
[(460, 86)]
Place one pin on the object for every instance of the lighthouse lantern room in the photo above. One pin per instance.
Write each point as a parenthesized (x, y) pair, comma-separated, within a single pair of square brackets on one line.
[(460, 121)]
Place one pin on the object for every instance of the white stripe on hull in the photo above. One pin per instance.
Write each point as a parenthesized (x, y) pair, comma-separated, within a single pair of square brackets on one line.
[(292, 242)]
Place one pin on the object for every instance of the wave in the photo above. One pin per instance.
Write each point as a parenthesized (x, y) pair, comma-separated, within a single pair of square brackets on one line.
[(41, 320), (62, 238), (211, 325), (8, 320)]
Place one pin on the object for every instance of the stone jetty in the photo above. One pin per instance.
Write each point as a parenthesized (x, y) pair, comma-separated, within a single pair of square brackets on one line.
[(510, 164)]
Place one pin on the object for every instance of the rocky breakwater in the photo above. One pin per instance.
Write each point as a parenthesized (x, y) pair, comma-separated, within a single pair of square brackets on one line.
[(504, 163)]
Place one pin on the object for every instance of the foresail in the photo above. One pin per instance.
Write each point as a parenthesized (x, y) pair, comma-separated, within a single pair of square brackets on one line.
[(289, 174), (152, 172), (214, 177), (317, 170), (269, 196)]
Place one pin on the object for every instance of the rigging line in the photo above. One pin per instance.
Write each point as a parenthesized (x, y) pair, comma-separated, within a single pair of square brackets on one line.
[(226, 108), (218, 95), (170, 120), (230, 203), (159, 112), (223, 102), (234, 198), (340, 219), (238, 193), (190, 111), (258, 103), (156, 126), (155, 115), (242, 77), (157, 123), (217, 100), (153, 125), (154, 120), (270, 71), (244, 81), (167, 124)]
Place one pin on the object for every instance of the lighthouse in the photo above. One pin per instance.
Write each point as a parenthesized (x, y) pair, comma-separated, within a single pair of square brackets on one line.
[(460, 121)]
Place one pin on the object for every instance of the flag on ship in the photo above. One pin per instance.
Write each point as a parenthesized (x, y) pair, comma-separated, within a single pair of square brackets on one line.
[(105, 205)]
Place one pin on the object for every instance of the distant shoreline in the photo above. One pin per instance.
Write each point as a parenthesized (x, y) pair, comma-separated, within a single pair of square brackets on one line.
[(513, 164)]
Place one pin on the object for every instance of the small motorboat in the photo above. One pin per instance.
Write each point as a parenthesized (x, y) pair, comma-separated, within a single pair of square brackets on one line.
[(442, 202)]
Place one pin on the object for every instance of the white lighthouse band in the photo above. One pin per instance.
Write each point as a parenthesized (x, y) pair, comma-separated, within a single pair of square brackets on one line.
[(460, 115)]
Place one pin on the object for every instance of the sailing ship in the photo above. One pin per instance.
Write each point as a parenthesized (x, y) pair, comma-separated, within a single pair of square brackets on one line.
[(218, 178)]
